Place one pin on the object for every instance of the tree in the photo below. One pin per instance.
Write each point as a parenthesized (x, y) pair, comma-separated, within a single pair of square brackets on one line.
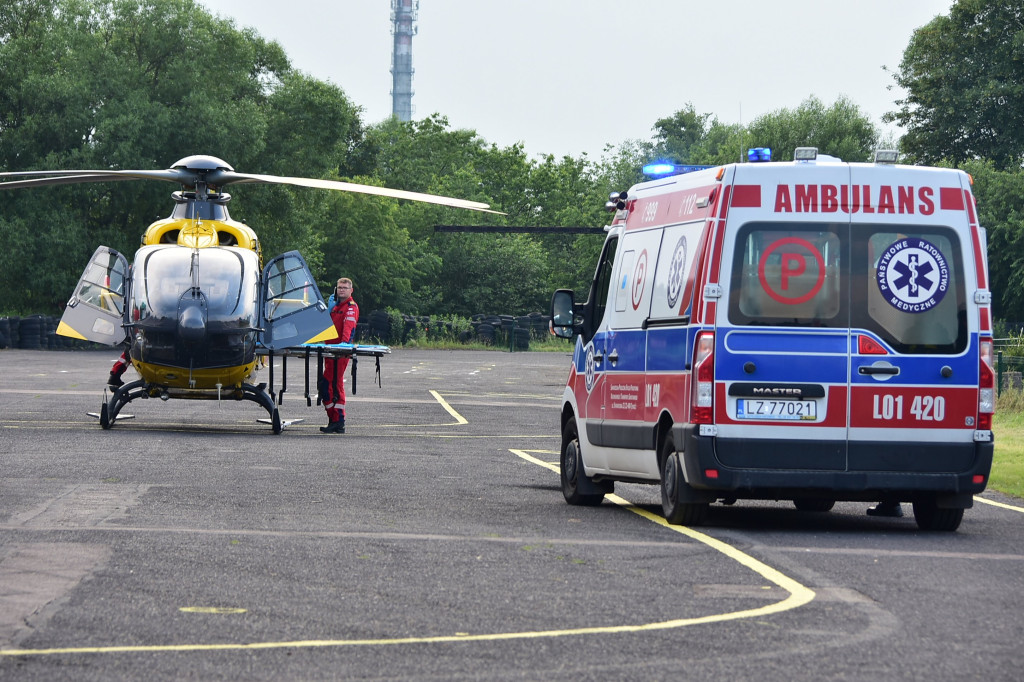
[(840, 130), (676, 136), (964, 79), (141, 84), (1000, 197)]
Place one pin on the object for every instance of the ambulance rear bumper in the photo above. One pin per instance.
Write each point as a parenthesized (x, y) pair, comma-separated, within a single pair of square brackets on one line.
[(867, 472)]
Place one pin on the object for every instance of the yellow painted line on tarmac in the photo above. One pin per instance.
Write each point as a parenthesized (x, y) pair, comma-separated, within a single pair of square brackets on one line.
[(798, 596), (451, 410), (798, 593), (999, 504)]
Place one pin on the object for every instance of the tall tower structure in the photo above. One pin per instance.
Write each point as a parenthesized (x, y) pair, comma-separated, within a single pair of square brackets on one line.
[(403, 17)]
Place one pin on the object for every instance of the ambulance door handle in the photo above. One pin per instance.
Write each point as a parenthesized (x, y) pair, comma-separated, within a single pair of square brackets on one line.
[(869, 369), (598, 357), (613, 357)]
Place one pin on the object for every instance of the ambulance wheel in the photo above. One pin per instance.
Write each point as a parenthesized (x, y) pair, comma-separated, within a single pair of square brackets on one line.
[(814, 504), (573, 477), (930, 516), (675, 489), (105, 416)]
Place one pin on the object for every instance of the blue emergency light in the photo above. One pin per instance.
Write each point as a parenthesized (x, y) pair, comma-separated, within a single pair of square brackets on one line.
[(662, 169), (757, 154)]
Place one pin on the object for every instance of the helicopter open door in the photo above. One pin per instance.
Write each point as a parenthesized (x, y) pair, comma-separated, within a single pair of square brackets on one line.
[(293, 311), (95, 311)]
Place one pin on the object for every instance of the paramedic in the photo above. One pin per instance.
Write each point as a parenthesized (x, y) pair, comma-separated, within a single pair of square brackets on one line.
[(345, 314)]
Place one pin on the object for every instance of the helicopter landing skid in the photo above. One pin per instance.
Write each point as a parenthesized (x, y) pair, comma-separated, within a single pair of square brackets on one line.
[(285, 423), (122, 396), (96, 415), (110, 409)]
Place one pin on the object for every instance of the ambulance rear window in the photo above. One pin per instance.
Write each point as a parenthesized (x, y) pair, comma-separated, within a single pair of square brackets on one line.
[(913, 284), (787, 275)]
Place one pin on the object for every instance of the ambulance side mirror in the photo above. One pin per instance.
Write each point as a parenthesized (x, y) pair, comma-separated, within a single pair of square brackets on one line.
[(563, 319)]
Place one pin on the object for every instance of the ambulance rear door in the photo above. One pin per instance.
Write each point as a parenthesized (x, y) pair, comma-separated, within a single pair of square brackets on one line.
[(915, 364), (782, 338)]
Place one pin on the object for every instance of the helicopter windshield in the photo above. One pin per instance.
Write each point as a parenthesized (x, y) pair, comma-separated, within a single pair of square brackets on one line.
[(227, 277)]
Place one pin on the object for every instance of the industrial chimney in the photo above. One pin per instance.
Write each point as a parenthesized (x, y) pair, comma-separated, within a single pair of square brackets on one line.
[(403, 14)]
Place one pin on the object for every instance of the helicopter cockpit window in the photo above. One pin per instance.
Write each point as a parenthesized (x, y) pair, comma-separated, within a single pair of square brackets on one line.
[(288, 288), (228, 279), (102, 284)]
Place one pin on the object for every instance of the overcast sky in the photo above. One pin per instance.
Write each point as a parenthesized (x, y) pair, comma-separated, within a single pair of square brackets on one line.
[(570, 76)]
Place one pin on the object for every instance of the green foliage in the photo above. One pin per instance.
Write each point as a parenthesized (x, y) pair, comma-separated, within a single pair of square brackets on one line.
[(1008, 461), (678, 136), (964, 78), (113, 84), (840, 130), (1000, 197)]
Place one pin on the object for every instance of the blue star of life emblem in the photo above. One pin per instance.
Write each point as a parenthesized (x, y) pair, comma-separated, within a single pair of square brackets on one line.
[(913, 275)]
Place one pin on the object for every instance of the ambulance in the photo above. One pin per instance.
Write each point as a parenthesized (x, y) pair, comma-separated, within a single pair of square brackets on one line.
[(811, 331)]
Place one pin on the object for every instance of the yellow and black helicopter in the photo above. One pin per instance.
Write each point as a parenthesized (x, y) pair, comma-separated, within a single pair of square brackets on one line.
[(197, 308)]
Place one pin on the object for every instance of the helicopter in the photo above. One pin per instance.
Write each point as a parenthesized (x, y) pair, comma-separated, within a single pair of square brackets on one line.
[(197, 308)]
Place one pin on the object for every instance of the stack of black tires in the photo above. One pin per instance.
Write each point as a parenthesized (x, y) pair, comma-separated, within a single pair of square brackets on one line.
[(377, 329), (34, 332), (507, 330)]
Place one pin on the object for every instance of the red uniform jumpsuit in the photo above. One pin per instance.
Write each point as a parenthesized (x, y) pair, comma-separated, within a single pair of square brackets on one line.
[(345, 316)]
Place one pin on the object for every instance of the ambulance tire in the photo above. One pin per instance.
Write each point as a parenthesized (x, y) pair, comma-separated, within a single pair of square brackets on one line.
[(814, 504), (930, 516), (574, 480), (674, 489)]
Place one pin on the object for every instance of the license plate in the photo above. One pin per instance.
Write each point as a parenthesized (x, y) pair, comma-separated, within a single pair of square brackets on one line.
[(757, 408)]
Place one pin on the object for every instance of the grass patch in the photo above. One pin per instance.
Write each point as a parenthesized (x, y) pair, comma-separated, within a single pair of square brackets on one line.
[(1008, 461)]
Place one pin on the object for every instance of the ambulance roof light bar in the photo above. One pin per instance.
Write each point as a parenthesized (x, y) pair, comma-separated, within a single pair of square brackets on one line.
[(805, 154), (886, 156), (664, 169), (759, 154)]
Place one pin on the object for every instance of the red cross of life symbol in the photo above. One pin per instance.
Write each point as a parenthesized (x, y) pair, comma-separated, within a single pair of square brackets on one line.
[(793, 264)]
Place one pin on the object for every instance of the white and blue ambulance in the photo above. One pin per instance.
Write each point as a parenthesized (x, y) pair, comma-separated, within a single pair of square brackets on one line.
[(810, 331)]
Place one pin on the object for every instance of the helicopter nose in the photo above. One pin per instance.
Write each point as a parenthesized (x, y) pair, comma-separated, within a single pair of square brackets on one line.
[(192, 325)]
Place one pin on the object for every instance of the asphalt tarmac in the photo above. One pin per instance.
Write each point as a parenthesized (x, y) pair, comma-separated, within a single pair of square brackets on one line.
[(431, 541)]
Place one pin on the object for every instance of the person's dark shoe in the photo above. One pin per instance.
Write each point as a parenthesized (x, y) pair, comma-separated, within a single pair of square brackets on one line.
[(333, 427), (115, 381), (889, 509)]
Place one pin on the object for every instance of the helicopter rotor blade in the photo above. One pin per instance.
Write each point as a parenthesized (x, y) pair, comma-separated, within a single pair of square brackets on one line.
[(60, 180), (214, 172), (231, 177), (44, 178)]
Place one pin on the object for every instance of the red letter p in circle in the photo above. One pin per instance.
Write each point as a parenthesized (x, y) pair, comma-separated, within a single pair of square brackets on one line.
[(793, 258)]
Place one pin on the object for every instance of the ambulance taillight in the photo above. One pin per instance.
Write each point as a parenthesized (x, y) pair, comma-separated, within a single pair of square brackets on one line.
[(703, 379), (986, 388)]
